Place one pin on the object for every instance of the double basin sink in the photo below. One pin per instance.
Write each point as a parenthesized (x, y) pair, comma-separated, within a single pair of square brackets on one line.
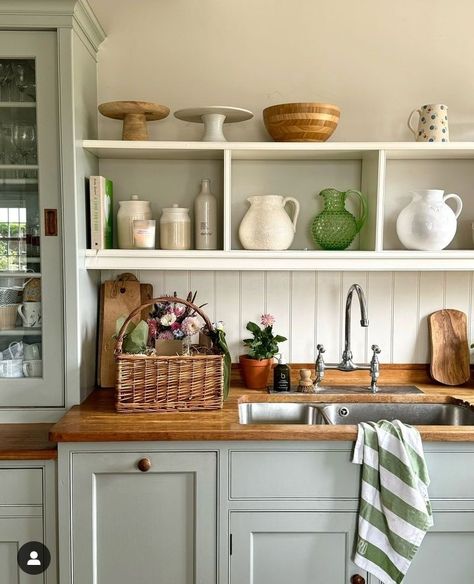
[(416, 414)]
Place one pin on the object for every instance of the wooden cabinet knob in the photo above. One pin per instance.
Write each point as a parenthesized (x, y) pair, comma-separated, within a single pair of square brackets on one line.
[(357, 579), (144, 464)]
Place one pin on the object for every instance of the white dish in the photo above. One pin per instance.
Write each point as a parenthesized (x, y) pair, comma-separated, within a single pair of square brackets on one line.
[(213, 117)]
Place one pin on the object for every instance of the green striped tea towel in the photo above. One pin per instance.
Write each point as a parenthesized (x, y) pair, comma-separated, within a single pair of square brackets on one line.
[(395, 511)]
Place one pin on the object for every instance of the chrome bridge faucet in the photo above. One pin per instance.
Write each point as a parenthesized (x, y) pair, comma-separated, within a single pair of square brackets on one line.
[(347, 364)]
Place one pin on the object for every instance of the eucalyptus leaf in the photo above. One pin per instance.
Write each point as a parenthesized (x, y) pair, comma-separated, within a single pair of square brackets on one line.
[(135, 341)]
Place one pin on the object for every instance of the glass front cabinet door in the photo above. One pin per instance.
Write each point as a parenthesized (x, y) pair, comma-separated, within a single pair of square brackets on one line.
[(31, 303)]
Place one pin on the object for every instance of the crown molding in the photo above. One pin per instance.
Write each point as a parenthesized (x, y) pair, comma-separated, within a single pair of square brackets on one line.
[(50, 14)]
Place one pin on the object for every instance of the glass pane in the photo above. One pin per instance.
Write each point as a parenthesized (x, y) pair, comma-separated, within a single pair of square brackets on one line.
[(20, 241)]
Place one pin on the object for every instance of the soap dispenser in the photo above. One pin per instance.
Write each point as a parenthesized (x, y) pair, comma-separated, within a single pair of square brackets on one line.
[(281, 376)]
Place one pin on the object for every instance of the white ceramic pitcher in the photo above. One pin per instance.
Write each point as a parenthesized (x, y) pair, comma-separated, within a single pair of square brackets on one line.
[(427, 223), (266, 225)]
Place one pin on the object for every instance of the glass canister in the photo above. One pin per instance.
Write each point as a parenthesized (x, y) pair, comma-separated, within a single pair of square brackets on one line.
[(130, 211), (175, 228)]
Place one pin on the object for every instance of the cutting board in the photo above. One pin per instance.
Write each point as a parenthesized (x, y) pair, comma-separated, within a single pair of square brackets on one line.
[(117, 298), (449, 347)]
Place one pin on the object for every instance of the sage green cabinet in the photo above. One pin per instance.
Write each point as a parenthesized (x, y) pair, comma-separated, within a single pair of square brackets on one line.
[(48, 103), (30, 250), (14, 532), (446, 554), (242, 513), (305, 547), (27, 513), (142, 527)]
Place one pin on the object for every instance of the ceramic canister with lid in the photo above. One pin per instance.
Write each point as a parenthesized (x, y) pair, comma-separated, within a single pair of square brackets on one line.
[(175, 228), (130, 211)]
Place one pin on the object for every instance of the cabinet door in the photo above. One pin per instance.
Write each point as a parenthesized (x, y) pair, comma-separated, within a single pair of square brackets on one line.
[(446, 554), (14, 532), (31, 340), (298, 547), (143, 527)]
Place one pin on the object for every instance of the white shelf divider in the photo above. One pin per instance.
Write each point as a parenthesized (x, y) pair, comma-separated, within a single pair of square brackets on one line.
[(381, 176), (227, 235)]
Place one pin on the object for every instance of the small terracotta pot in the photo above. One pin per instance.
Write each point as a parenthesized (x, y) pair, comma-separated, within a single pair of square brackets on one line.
[(255, 373)]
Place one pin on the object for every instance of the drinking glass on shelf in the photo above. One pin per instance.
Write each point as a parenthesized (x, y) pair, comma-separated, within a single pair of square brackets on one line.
[(24, 88), (24, 140), (5, 81), (8, 152)]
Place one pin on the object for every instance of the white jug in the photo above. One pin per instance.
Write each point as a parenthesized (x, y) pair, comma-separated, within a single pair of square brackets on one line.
[(266, 225), (428, 223)]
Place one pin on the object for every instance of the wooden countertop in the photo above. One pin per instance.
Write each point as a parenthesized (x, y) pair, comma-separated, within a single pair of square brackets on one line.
[(97, 421), (26, 442)]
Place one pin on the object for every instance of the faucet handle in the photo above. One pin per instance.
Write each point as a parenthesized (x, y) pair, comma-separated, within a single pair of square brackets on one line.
[(374, 368), (376, 350), (321, 349), (319, 366)]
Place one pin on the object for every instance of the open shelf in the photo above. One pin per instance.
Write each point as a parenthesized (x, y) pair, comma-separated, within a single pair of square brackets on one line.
[(117, 259), (274, 150), (386, 172)]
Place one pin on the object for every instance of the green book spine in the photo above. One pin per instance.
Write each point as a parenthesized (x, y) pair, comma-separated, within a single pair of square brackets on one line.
[(108, 214)]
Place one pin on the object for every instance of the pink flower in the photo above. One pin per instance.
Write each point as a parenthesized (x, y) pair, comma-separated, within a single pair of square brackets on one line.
[(176, 326), (267, 320), (179, 311), (166, 336), (152, 328), (190, 326)]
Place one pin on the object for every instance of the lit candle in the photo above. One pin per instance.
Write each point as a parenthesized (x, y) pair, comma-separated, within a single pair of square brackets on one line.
[(144, 233)]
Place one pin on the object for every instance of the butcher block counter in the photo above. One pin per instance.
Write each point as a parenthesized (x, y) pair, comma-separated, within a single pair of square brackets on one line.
[(97, 421)]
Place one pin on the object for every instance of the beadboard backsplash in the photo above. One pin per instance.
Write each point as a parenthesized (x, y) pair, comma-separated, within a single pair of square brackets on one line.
[(309, 307)]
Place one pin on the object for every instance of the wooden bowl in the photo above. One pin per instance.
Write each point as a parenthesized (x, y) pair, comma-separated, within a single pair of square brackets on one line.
[(301, 122)]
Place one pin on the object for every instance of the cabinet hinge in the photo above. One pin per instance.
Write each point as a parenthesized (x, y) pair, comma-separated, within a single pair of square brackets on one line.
[(230, 544)]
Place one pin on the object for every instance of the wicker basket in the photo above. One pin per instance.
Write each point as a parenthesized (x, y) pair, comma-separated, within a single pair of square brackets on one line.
[(162, 384)]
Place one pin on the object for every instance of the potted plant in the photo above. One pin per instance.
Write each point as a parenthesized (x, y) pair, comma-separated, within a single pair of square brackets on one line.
[(256, 365)]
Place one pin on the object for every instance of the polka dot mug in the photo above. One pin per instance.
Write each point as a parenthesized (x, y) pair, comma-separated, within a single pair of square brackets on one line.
[(432, 123)]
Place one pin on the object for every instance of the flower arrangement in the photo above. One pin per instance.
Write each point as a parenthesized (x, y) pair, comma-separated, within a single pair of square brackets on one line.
[(264, 344), (169, 321)]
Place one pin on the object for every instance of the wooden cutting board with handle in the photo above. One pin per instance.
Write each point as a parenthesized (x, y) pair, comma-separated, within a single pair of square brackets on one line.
[(449, 347), (117, 298)]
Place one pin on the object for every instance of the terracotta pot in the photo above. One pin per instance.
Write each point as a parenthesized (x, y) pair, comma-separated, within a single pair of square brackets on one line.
[(255, 373)]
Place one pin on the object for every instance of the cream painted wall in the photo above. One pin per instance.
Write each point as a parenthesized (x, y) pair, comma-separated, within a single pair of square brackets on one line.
[(376, 59)]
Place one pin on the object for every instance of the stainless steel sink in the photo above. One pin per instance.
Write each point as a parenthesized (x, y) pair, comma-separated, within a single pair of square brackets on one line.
[(417, 414), (279, 413)]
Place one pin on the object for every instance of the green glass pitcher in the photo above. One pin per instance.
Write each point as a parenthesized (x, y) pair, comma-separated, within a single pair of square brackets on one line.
[(335, 228)]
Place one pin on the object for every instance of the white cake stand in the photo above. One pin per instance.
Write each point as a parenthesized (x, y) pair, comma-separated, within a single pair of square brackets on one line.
[(213, 117)]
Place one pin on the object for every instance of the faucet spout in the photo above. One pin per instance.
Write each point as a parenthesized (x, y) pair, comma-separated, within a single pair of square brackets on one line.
[(347, 363)]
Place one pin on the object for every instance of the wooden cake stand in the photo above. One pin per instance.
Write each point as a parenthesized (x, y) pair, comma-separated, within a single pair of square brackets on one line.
[(135, 115)]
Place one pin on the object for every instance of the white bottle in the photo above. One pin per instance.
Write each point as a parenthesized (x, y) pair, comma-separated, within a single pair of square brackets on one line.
[(205, 217), (130, 211), (175, 228)]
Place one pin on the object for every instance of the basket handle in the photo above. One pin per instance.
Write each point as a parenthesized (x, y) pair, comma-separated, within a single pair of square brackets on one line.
[(171, 299)]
